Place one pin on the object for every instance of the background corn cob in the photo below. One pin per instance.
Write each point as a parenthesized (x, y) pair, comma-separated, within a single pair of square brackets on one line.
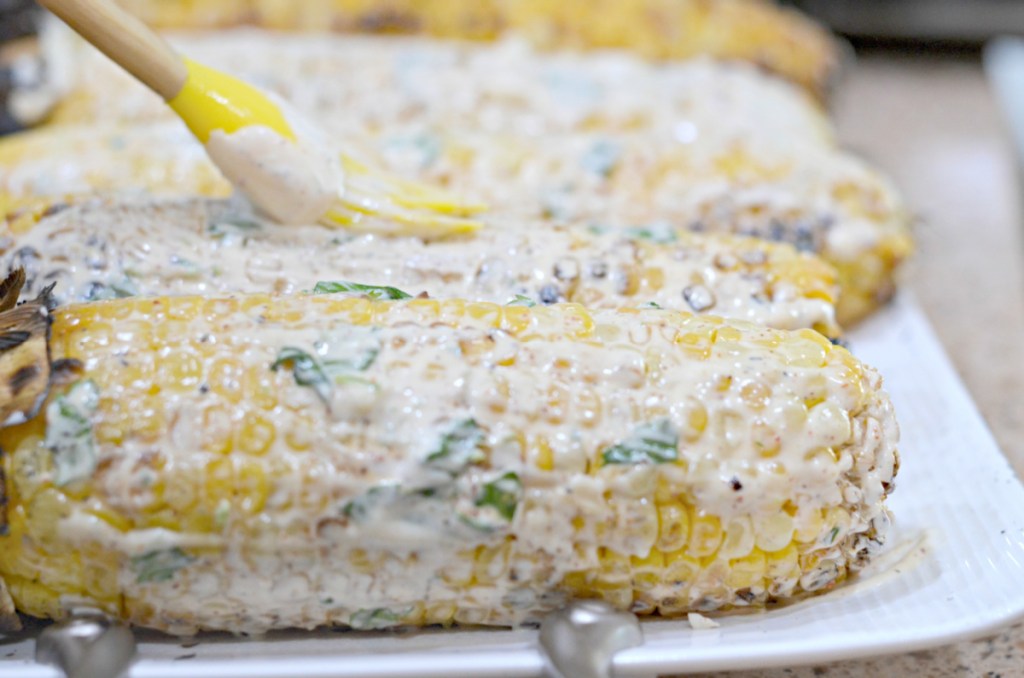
[(252, 462), (371, 84), (115, 248), (780, 41)]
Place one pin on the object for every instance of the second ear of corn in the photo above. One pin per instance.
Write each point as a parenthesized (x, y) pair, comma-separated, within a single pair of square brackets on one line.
[(122, 247), (254, 462)]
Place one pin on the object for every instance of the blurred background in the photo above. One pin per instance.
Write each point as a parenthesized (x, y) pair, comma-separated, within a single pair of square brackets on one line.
[(948, 21)]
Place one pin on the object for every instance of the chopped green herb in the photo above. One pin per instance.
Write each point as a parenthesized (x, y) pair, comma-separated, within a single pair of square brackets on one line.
[(360, 363), (114, 290), (373, 619), (189, 268), (375, 292), (307, 371), (238, 224), (833, 534), (556, 203), (651, 304), (658, 232), (222, 513), (520, 300), (69, 434), (359, 508), (423, 149), (458, 448), (502, 494), (652, 443), (601, 158), (160, 566)]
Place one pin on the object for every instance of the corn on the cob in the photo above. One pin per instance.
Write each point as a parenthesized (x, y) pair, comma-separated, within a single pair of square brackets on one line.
[(123, 248), (818, 200), (256, 462), (353, 85), (779, 40)]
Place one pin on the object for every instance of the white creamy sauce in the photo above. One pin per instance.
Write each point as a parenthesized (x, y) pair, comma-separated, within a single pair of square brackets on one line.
[(293, 182)]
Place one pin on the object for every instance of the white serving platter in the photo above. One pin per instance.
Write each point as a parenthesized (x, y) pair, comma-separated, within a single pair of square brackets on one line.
[(952, 570)]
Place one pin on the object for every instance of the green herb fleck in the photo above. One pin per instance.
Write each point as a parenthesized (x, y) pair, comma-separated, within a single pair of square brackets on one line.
[(601, 158), (833, 534), (375, 292), (520, 300), (374, 619), (658, 232), (651, 304), (160, 566), (360, 363), (307, 371), (652, 443), (502, 494), (359, 508), (189, 269), (115, 290), (239, 224), (69, 434), (458, 448)]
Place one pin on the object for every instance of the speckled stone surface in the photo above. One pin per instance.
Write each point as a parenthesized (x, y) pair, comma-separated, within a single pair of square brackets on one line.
[(934, 126)]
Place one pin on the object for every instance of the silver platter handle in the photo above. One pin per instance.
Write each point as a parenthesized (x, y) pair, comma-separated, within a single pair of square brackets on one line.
[(581, 640), (87, 645)]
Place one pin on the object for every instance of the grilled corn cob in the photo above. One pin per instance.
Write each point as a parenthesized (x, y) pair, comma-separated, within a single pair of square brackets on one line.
[(779, 40), (354, 85), (818, 200), (256, 462), (102, 249)]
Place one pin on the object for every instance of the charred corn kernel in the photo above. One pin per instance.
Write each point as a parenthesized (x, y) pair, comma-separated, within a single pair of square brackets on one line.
[(428, 503)]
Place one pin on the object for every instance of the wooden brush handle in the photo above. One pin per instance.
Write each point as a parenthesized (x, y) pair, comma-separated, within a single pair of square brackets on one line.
[(126, 40)]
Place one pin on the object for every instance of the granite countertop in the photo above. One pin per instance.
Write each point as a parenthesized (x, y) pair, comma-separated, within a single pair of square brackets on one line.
[(933, 124)]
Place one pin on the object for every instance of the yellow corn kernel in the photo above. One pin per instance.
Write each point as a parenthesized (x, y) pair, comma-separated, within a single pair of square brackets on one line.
[(225, 379), (747, 572), (773, 531), (739, 538), (255, 434), (540, 450), (783, 565), (184, 369), (491, 563), (442, 612), (111, 517), (809, 525), (252, 487), (615, 567), (45, 511), (299, 436), (673, 526), (705, 535)]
